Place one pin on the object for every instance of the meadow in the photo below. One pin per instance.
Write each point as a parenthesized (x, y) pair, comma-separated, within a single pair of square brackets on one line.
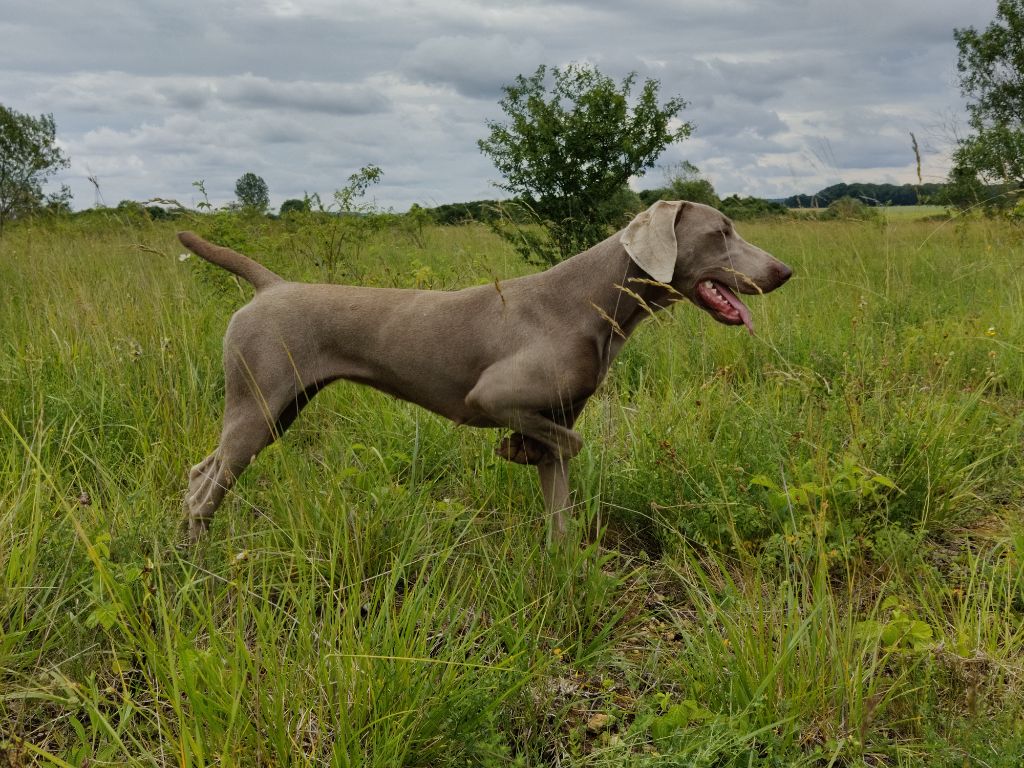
[(802, 548)]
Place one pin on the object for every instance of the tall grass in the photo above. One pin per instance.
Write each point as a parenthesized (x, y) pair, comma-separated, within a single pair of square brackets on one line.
[(802, 548)]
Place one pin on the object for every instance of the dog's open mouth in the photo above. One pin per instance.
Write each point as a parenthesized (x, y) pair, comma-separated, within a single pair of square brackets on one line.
[(722, 304)]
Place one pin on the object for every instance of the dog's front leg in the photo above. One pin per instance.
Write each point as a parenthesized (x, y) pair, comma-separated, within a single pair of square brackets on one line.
[(509, 396), (553, 473)]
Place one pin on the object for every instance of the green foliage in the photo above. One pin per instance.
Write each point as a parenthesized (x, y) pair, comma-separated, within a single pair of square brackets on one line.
[(963, 190), (334, 233), (869, 194), (745, 208), (204, 204), (483, 211), (674, 717), (898, 630), (349, 199), (294, 206), (252, 192), (849, 209), (568, 148), (846, 479), (28, 157), (684, 182), (991, 67)]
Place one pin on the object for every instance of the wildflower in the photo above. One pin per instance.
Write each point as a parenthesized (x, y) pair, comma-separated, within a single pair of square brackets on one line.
[(184, 256), (991, 331)]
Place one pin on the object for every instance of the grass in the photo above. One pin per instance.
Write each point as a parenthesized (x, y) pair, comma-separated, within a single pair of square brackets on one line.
[(904, 212), (803, 548)]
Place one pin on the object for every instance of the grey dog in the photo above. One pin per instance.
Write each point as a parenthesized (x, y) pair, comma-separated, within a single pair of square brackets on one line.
[(523, 354)]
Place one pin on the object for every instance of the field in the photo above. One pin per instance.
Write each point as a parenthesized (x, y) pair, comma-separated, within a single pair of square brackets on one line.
[(893, 213), (800, 548)]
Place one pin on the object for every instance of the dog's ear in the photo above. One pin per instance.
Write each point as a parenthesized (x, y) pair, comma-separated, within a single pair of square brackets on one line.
[(650, 239)]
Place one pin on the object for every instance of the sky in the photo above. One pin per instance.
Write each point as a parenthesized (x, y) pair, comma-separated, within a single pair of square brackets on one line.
[(786, 96)]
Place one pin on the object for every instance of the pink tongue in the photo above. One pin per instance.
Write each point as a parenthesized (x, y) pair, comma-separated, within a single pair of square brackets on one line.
[(738, 305)]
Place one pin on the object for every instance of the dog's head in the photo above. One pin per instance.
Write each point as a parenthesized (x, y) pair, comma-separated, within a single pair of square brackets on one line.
[(696, 250)]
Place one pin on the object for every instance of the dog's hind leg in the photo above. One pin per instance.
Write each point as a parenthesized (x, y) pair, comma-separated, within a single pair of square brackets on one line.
[(247, 431), (253, 418)]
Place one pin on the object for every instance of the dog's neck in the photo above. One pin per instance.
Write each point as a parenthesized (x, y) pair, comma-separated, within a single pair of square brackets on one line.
[(623, 296), (624, 293)]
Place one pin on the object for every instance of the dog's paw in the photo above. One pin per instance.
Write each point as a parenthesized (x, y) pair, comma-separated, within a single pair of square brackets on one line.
[(522, 449), (190, 530)]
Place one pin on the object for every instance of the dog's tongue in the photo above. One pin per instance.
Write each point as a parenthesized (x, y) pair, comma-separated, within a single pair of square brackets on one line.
[(738, 305)]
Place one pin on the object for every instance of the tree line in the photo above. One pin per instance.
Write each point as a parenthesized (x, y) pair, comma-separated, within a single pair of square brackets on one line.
[(952, 193)]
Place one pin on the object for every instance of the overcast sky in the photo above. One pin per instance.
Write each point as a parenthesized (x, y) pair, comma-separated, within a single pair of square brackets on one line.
[(787, 96)]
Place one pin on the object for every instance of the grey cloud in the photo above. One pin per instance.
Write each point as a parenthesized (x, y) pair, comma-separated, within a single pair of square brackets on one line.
[(118, 92), (728, 116), (304, 92), (475, 67), (332, 98)]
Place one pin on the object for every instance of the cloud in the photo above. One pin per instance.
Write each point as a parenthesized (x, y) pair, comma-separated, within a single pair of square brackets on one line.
[(122, 92), (331, 98), (476, 67), (786, 94)]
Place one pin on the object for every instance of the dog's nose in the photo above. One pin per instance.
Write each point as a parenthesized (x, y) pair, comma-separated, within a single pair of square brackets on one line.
[(783, 272)]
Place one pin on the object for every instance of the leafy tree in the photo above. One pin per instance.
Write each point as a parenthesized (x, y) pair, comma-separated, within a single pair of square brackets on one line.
[(252, 192), (566, 150), (991, 66), (294, 205), (850, 208), (347, 198), (963, 189), (739, 208), (459, 213), (28, 157), (337, 231), (685, 182)]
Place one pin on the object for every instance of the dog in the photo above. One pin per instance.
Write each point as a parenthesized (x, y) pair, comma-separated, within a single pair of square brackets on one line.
[(523, 354)]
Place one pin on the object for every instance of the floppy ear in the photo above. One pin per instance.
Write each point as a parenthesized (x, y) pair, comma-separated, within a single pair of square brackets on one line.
[(650, 240)]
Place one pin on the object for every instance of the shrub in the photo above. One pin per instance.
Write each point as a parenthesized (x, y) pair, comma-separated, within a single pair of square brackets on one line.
[(849, 209)]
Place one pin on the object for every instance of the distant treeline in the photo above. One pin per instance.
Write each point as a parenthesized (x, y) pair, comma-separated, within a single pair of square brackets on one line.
[(870, 194), (956, 195), (486, 211), (489, 211), (737, 207)]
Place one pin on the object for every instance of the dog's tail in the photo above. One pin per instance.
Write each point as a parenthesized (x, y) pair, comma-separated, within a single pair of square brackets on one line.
[(232, 261)]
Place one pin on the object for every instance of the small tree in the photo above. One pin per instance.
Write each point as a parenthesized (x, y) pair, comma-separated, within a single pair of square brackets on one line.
[(963, 189), (991, 66), (294, 205), (684, 182), (252, 192), (28, 157), (566, 150), (337, 231), (347, 198)]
